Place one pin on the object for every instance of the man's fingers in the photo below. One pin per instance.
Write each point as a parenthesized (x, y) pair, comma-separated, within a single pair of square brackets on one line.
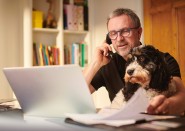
[(105, 50), (155, 103), (164, 107)]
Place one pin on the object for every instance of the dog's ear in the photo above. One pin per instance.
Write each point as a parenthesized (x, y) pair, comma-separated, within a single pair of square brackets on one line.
[(160, 77), (136, 50), (157, 56)]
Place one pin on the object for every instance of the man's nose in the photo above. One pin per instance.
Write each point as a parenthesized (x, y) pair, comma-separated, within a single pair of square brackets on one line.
[(119, 37)]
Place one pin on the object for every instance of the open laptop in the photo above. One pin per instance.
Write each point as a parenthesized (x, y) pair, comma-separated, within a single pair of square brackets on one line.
[(50, 91)]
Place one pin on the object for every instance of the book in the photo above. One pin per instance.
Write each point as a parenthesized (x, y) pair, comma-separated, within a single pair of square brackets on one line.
[(41, 55), (64, 16), (82, 54), (75, 53), (86, 55), (58, 55), (50, 55), (35, 55), (86, 15), (44, 54)]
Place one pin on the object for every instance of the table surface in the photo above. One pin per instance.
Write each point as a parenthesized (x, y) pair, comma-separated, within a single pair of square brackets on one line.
[(13, 120)]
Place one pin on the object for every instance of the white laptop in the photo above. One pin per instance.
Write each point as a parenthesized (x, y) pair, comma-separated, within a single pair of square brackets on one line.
[(50, 91)]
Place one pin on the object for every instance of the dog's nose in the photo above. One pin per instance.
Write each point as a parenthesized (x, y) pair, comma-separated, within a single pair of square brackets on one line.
[(130, 71)]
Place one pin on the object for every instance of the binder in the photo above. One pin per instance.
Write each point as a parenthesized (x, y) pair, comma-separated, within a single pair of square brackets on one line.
[(69, 16), (80, 18)]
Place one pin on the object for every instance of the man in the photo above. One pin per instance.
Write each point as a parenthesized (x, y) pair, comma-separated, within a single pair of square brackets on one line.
[(125, 32)]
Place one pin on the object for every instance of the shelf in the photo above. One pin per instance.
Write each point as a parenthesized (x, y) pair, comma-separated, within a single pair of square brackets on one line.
[(50, 30), (45, 30), (75, 32), (60, 36)]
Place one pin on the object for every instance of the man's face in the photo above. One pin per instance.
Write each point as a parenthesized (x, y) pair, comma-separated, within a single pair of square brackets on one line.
[(123, 44)]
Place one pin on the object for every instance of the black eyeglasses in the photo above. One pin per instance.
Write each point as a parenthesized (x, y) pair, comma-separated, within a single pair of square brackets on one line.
[(123, 32)]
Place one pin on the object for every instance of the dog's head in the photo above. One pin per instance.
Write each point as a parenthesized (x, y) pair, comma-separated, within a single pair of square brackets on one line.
[(146, 67)]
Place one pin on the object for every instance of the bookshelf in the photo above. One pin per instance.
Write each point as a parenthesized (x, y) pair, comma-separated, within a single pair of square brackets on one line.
[(57, 37)]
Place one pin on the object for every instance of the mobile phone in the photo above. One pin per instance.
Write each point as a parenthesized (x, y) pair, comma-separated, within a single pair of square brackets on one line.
[(108, 41)]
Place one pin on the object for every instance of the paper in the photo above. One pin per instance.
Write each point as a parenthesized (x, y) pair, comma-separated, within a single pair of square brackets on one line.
[(137, 104), (128, 114), (6, 100)]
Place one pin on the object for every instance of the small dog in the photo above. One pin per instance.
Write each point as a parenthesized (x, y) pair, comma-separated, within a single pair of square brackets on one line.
[(145, 68)]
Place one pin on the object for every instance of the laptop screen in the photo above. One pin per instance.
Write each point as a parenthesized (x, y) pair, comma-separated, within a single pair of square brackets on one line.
[(50, 91)]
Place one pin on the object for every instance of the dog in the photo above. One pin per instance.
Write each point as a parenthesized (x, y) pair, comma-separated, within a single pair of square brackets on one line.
[(145, 68)]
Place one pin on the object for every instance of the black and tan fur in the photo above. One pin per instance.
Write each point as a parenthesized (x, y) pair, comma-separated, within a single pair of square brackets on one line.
[(146, 68)]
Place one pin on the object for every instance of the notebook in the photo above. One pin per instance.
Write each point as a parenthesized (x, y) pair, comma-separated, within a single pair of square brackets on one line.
[(50, 91)]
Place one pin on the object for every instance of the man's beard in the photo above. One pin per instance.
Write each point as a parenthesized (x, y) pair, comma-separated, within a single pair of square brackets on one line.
[(124, 52)]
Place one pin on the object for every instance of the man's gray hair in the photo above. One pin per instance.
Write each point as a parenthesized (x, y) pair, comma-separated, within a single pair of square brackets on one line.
[(125, 11)]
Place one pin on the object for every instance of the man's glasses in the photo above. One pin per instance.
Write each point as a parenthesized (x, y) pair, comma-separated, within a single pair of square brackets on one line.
[(123, 32)]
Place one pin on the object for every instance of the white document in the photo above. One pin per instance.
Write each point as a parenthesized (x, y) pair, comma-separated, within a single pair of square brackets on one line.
[(128, 114), (137, 104), (2, 101)]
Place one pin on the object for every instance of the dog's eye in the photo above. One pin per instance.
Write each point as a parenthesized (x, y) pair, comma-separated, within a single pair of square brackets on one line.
[(141, 58), (132, 58)]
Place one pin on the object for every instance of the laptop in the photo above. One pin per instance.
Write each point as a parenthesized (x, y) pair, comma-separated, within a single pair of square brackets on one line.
[(50, 91)]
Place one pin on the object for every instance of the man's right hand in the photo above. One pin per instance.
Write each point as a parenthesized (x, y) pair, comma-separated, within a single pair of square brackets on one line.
[(100, 58), (101, 54)]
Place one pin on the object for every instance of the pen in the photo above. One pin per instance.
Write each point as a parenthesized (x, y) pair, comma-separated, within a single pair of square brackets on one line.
[(143, 113), (140, 121)]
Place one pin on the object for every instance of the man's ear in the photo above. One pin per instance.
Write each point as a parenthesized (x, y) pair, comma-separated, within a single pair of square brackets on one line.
[(140, 30)]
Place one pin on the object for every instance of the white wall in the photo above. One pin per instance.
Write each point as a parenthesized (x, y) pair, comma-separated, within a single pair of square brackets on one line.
[(101, 10), (11, 35), (10, 41)]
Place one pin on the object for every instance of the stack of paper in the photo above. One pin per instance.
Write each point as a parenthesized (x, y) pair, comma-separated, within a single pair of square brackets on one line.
[(131, 113)]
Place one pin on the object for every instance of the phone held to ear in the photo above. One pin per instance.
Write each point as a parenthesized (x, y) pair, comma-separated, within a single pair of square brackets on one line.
[(108, 41)]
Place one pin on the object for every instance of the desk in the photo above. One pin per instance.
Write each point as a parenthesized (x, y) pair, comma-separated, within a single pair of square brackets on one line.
[(13, 121)]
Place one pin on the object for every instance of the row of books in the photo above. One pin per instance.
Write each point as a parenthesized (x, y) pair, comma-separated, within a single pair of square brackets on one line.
[(75, 16), (76, 53), (45, 55)]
